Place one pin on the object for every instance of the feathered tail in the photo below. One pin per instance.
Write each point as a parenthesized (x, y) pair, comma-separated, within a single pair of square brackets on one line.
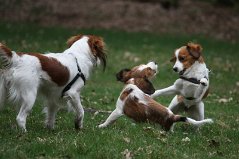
[(5, 56), (179, 118), (5, 62)]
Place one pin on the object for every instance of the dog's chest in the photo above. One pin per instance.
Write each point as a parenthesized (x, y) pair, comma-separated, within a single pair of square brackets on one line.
[(188, 89)]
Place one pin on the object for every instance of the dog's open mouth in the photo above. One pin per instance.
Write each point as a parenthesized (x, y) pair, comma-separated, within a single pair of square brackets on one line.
[(182, 72)]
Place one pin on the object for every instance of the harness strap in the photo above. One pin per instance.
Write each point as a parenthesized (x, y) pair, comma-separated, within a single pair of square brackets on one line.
[(192, 80), (79, 74)]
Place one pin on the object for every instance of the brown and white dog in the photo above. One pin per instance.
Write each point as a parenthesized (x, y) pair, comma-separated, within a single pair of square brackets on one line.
[(56, 76), (136, 104), (193, 83)]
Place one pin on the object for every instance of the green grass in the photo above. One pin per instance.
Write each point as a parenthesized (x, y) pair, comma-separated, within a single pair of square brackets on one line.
[(219, 140)]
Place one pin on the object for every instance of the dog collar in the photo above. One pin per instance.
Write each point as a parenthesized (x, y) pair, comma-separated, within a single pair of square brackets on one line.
[(79, 74)]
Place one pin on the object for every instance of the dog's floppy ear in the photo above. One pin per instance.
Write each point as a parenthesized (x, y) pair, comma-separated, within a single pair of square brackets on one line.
[(145, 85), (195, 50), (149, 88), (122, 75)]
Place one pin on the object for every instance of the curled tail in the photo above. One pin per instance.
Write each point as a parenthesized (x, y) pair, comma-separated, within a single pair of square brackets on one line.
[(179, 118), (5, 62), (5, 56)]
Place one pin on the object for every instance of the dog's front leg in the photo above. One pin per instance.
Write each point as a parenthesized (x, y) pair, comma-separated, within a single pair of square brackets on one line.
[(166, 91), (76, 103), (197, 111), (113, 116), (51, 114), (202, 88)]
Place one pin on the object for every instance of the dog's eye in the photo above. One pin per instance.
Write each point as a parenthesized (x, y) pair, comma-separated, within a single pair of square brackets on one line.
[(181, 58)]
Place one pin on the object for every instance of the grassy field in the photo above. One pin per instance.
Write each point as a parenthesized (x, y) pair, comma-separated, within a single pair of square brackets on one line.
[(125, 139)]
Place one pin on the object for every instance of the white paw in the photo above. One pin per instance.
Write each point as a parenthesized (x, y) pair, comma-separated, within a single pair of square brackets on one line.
[(210, 121), (204, 82), (101, 126)]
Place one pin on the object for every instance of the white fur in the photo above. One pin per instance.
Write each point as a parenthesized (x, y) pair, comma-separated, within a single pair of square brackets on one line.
[(151, 65), (25, 79), (188, 89), (120, 104), (199, 123), (178, 64)]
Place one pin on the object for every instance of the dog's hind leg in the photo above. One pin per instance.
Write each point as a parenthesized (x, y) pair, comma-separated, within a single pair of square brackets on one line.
[(76, 103), (197, 112), (113, 116), (27, 102)]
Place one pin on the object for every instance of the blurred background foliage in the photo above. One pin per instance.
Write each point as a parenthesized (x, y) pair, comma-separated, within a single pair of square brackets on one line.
[(213, 18)]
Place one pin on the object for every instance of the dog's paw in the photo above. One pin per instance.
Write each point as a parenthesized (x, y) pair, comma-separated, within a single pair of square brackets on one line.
[(204, 82), (101, 126), (49, 126), (209, 121), (78, 124)]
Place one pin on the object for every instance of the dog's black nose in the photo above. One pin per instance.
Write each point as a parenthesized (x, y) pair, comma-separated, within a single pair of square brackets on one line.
[(155, 63), (175, 69)]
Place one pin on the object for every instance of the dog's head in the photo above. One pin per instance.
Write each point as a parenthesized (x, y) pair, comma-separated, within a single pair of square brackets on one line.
[(147, 71), (186, 56), (95, 43), (139, 76)]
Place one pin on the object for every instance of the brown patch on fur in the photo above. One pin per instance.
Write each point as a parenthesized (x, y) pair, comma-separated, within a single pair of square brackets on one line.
[(135, 110), (143, 84), (6, 50), (186, 59), (97, 48), (125, 94), (73, 39), (122, 75), (152, 112), (96, 44), (195, 49), (58, 72)]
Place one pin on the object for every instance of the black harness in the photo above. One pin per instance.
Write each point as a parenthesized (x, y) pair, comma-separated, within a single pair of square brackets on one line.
[(192, 80), (79, 74)]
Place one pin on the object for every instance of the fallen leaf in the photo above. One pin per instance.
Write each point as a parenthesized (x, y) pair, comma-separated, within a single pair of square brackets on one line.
[(126, 139), (186, 139), (225, 100), (40, 139)]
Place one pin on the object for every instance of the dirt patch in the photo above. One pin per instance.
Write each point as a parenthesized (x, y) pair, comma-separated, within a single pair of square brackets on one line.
[(190, 16)]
